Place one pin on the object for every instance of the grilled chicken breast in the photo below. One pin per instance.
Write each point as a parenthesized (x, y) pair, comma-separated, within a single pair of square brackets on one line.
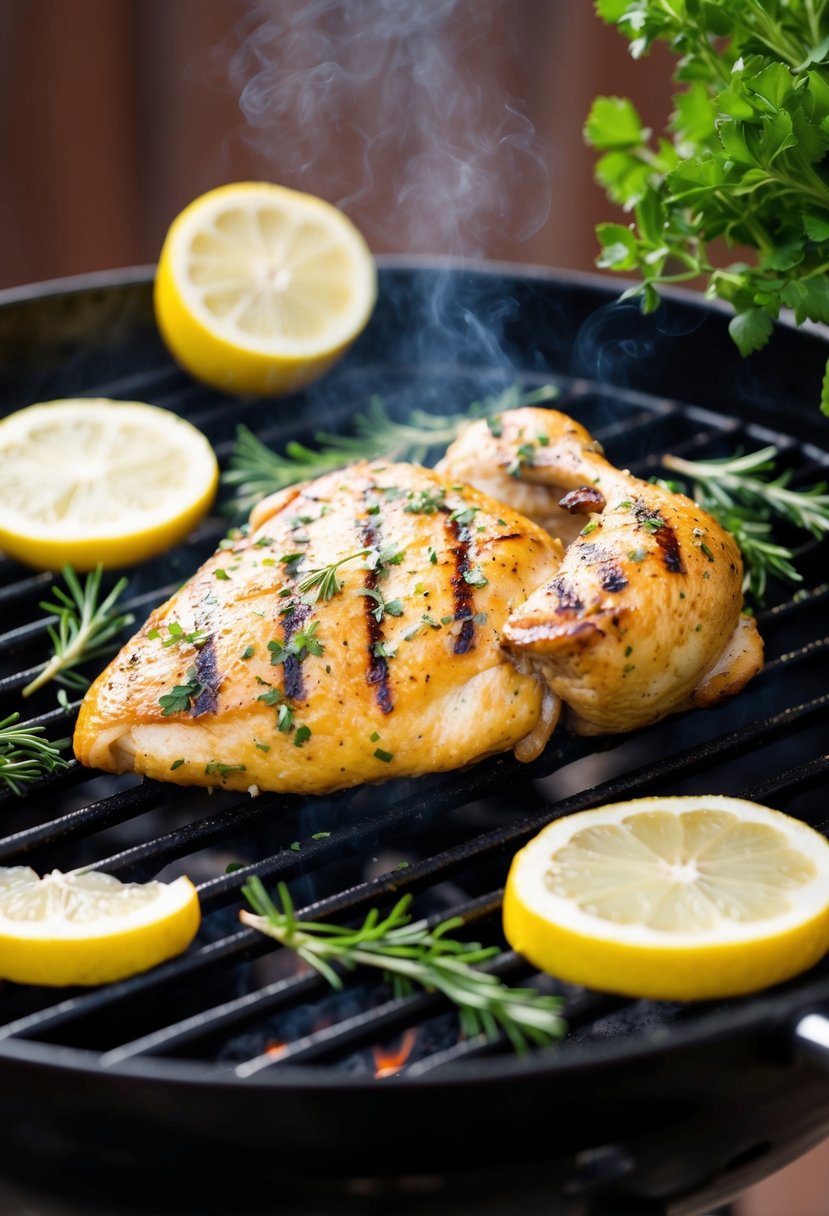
[(643, 617), (354, 634)]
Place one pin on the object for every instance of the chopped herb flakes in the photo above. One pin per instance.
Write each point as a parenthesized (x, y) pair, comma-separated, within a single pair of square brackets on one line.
[(637, 555), (176, 634), (386, 757), (384, 650), (426, 502), (475, 577), (176, 764), (382, 606), (181, 695), (304, 642), (374, 736), (221, 574), (303, 734), (464, 515), (215, 768), (525, 455), (248, 652)]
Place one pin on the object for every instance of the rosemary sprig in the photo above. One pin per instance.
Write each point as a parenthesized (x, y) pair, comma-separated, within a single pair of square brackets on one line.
[(256, 470), (411, 953), (25, 755), (85, 628), (323, 583), (735, 491)]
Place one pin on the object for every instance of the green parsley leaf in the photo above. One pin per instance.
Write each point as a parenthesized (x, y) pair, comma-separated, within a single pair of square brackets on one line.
[(179, 699)]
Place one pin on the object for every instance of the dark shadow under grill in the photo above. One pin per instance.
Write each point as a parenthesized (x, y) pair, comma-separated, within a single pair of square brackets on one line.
[(231, 1045)]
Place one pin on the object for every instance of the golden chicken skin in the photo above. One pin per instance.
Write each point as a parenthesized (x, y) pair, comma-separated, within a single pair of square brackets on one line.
[(643, 617), (354, 634)]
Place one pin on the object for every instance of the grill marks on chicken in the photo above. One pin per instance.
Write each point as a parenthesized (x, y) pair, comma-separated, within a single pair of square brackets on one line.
[(646, 606), (401, 671), (387, 621)]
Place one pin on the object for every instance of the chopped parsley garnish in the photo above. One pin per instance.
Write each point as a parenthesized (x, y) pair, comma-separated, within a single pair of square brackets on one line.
[(303, 734), (215, 768), (433, 557), (386, 757), (285, 719), (248, 652), (176, 764), (263, 542), (320, 835), (374, 736), (588, 528), (382, 606), (475, 577), (379, 559), (304, 642), (652, 523), (181, 695), (271, 698), (707, 552), (176, 634), (221, 574), (426, 502), (295, 845), (464, 515), (384, 650), (525, 455), (638, 555)]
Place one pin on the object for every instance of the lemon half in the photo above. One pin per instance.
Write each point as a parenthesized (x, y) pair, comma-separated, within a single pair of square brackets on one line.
[(260, 289), (672, 898), (89, 480), (90, 928)]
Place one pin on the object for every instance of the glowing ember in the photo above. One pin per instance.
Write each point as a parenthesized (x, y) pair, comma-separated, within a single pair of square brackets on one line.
[(388, 1063)]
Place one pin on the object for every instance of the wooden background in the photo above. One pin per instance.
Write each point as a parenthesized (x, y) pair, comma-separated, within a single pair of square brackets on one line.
[(115, 113)]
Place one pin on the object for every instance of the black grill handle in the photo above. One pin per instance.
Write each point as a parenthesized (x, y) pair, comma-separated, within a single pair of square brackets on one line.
[(811, 1039)]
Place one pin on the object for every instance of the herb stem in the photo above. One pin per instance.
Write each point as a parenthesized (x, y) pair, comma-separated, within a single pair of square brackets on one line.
[(85, 628), (414, 954)]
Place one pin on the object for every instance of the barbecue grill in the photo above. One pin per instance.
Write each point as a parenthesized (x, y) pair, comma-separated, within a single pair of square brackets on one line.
[(234, 1070)]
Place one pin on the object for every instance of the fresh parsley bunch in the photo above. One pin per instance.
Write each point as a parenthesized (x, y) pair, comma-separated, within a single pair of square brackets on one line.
[(744, 160)]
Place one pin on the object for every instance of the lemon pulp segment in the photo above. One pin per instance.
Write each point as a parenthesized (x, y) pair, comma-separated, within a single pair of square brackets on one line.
[(89, 928), (91, 480), (673, 898), (260, 289)]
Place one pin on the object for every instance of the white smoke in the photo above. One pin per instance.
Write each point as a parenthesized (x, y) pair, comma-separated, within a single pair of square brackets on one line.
[(392, 110)]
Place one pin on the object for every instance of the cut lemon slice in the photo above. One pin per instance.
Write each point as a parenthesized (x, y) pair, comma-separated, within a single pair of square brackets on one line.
[(89, 928), (672, 898), (260, 289), (90, 480)]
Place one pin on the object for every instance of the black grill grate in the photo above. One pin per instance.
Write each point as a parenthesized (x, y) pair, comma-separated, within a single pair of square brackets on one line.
[(239, 1009)]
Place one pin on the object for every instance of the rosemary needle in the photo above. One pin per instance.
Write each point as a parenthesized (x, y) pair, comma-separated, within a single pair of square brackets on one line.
[(410, 953), (85, 628), (24, 754), (255, 470), (743, 495)]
